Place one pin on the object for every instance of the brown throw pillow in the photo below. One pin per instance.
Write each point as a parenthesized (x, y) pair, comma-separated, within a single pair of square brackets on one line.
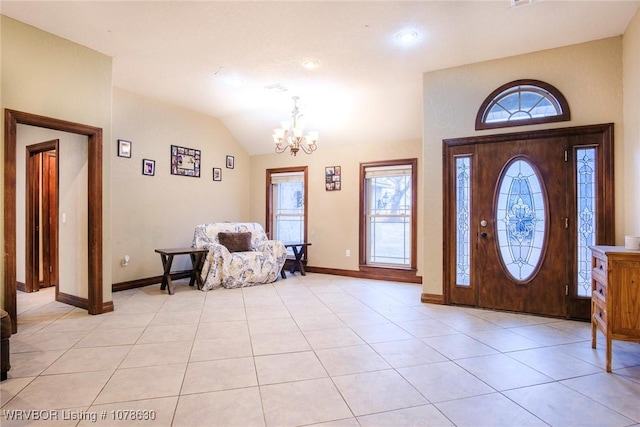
[(236, 242)]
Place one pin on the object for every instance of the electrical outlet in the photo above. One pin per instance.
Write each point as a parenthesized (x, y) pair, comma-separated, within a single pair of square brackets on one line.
[(347, 253), (125, 260)]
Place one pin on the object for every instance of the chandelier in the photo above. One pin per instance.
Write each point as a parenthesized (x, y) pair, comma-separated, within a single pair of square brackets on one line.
[(290, 134)]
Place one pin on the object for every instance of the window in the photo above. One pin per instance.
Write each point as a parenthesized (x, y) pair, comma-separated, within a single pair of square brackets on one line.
[(463, 220), (522, 102), (587, 214), (388, 221), (286, 204), (521, 220)]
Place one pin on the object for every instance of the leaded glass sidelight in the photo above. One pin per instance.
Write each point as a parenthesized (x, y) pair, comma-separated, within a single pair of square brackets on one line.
[(463, 225), (586, 220), (520, 220)]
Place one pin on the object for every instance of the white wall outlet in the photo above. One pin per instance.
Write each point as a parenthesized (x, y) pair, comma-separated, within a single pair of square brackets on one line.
[(125, 260), (347, 253)]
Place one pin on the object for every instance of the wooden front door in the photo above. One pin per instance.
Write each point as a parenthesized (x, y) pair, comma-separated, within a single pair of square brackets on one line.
[(520, 215), (520, 212)]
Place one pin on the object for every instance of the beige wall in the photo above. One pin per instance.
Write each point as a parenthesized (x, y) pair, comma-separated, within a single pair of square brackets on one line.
[(53, 77), (333, 215), (590, 77), (161, 211), (631, 163)]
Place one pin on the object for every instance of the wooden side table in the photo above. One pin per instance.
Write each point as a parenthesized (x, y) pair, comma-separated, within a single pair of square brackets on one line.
[(615, 300), (197, 260), (299, 251)]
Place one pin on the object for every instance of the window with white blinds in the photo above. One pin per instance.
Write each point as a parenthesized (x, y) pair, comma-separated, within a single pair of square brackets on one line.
[(388, 214), (287, 201)]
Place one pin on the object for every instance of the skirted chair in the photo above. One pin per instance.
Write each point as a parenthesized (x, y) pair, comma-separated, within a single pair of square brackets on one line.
[(240, 254), (5, 327)]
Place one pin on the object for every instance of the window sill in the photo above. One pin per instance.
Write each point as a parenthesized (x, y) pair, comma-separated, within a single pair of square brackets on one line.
[(390, 273)]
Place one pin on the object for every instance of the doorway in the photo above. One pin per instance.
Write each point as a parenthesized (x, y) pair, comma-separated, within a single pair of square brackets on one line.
[(41, 250), (94, 303), (520, 213)]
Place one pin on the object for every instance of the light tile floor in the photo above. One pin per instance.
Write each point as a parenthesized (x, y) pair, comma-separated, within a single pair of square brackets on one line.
[(314, 350)]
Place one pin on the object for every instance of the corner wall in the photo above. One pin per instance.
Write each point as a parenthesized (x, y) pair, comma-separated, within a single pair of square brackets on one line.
[(333, 215), (162, 211), (588, 74), (631, 165), (46, 75)]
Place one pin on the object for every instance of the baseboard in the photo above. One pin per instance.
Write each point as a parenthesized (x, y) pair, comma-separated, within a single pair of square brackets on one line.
[(140, 283), (107, 307), (132, 284), (432, 299), (82, 303), (382, 275), (73, 300), (21, 286)]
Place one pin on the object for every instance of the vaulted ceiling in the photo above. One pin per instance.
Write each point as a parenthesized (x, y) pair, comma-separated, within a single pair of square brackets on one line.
[(242, 61)]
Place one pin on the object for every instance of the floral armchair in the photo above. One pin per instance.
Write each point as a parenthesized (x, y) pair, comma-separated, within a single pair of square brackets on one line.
[(252, 262)]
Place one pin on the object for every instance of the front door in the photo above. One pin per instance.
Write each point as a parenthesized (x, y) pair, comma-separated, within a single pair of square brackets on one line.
[(520, 215), (521, 210)]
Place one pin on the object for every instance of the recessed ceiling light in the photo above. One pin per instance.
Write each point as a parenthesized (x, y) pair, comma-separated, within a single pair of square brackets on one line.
[(234, 81), (310, 64), (406, 36)]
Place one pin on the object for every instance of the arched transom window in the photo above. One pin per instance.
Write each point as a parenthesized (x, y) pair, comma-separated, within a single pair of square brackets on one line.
[(522, 102)]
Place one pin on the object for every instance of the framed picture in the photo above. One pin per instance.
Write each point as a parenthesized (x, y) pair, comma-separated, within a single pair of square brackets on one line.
[(124, 148), (231, 161), (185, 161), (217, 174), (148, 167), (332, 178)]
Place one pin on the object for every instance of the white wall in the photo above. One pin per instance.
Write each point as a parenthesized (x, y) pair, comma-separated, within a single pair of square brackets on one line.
[(333, 215), (161, 211), (631, 156), (53, 77), (590, 77)]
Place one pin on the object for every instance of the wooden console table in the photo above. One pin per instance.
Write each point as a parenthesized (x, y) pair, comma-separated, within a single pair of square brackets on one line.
[(615, 297), (197, 260), (299, 250)]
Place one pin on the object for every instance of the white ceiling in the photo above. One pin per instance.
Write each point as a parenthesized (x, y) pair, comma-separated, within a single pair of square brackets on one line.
[(368, 88)]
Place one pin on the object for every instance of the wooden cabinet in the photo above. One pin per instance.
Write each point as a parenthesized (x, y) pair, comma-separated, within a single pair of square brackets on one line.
[(615, 298)]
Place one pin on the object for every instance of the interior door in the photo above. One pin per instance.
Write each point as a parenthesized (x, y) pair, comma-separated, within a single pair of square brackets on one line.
[(521, 210), (522, 226), (49, 219), (41, 241)]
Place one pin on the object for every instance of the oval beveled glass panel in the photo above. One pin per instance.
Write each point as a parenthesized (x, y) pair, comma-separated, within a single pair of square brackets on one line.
[(520, 220)]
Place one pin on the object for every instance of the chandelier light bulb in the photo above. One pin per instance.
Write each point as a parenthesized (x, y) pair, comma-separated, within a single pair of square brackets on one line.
[(290, 136)]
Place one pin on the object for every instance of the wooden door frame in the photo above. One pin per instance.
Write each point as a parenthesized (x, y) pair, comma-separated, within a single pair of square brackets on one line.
[(94, 303), (605, 233), (32, 212)]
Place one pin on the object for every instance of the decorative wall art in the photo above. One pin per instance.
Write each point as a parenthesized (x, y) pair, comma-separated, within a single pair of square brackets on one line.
[(231, 161), (124, 148), (185, 161), (332, 176), (217, 174), (148, 167)]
